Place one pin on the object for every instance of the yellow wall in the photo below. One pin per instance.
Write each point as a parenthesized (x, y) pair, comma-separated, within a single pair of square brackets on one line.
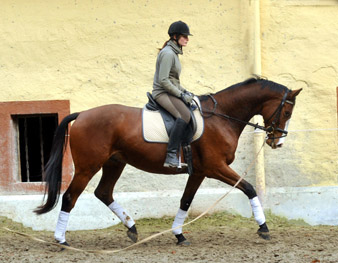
[(299, 49), (99, 52), (95, 52)]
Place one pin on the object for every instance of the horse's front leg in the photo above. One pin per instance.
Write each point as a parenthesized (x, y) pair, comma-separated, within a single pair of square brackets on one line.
[(191, 187), (229, 176), (257, 209)]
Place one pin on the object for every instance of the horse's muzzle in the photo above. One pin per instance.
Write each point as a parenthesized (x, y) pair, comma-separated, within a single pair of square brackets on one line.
[(274, 143)]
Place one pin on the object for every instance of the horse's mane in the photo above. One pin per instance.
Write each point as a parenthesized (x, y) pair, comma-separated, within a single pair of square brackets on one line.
[(265, 83)]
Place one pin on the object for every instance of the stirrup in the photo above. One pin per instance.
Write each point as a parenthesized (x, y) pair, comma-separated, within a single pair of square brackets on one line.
[(171, 165), (172, 161), (180, 164)]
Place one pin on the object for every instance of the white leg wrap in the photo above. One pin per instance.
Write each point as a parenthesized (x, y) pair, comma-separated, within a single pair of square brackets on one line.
[(257, 210), (121, 214), (179, 221), (61, 226)]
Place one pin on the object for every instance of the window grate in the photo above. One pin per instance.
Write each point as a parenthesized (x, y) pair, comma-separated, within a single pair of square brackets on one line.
[(35, 137)]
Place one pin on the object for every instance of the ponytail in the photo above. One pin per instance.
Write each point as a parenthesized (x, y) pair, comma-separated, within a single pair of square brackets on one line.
[(171, 38), (165, 43)]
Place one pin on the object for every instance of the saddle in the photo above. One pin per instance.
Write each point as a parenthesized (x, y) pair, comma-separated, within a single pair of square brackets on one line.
[(169, 120), (157, 124)]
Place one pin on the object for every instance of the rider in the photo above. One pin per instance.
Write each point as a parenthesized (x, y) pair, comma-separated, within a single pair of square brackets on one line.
[(167, 90)]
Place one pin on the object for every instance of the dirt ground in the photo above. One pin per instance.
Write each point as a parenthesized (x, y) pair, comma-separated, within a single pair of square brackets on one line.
[(217, 238)]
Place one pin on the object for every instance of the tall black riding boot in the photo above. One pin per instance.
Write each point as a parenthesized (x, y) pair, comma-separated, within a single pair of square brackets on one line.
[(174, 143)]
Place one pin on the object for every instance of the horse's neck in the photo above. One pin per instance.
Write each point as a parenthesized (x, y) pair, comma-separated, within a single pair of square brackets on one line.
[(241, 103)]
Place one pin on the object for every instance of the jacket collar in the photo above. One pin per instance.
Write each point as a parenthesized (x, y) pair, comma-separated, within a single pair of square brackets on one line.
[(175, 47)]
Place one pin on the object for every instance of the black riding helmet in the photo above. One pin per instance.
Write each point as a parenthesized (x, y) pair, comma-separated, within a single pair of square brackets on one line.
[(179, 28)]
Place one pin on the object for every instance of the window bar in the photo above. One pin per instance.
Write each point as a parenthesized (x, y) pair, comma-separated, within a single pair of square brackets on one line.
[(26, 150), (41, 151)]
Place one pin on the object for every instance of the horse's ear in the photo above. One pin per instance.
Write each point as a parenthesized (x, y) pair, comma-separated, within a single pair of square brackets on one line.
[(294, 93)]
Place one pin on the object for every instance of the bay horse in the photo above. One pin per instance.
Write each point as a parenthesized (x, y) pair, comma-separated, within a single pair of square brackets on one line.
[(110, 136)]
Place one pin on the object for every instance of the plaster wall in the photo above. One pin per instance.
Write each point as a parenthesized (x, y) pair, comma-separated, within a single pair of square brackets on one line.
[(299, 49), (99, 52)]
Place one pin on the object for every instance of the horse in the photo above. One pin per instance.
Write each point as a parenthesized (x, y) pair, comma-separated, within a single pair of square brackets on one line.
[(110, 136)]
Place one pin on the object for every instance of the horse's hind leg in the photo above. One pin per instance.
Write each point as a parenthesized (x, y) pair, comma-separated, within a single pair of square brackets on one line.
[(191, 187), (69, 198), (111, 172)]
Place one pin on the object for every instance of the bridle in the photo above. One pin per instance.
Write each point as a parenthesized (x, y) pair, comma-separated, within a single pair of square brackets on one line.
[(276, 116), (269, 130)]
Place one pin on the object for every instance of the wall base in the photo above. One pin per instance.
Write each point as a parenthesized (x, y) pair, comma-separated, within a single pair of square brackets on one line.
[(315, 205)]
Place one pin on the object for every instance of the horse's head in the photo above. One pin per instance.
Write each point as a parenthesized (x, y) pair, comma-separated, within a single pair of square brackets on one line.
[(277, 114)]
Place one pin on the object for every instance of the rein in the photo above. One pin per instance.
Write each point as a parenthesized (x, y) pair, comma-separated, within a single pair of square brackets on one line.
[(268, 130)]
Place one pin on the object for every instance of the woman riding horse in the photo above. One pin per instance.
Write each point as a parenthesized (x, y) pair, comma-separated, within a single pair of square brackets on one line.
[(167, 90), (110, 136)]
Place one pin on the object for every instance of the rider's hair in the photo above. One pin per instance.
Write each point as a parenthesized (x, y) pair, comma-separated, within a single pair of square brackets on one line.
[(171, 38)]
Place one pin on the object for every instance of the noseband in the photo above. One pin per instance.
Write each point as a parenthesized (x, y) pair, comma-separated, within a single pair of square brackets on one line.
[(269, 130)]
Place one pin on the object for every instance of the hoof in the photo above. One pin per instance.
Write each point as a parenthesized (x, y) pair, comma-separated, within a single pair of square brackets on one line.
[(263, 232), (182, 241), (264, 235), (132, 234), (65, 244)]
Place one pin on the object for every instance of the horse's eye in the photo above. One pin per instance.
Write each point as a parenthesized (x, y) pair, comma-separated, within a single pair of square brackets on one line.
[(287, 114)]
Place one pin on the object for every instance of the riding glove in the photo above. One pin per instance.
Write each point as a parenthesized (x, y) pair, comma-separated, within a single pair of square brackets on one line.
[(187, 97)]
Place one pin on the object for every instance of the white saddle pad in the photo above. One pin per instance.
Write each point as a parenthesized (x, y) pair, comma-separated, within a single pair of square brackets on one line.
[(153, 128)]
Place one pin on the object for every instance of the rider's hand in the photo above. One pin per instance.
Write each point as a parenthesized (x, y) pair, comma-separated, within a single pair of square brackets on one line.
[(187, 97)]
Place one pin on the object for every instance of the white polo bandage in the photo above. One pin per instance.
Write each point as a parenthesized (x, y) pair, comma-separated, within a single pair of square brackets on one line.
[(179, 221), (121, 214), (257, 210), (61, 227)]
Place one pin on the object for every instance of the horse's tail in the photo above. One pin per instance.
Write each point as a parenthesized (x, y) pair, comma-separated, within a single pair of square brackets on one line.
[(53, 169)]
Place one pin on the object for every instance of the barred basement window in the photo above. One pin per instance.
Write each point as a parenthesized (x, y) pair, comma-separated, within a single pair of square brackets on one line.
[(27, 130), (34, 140)]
